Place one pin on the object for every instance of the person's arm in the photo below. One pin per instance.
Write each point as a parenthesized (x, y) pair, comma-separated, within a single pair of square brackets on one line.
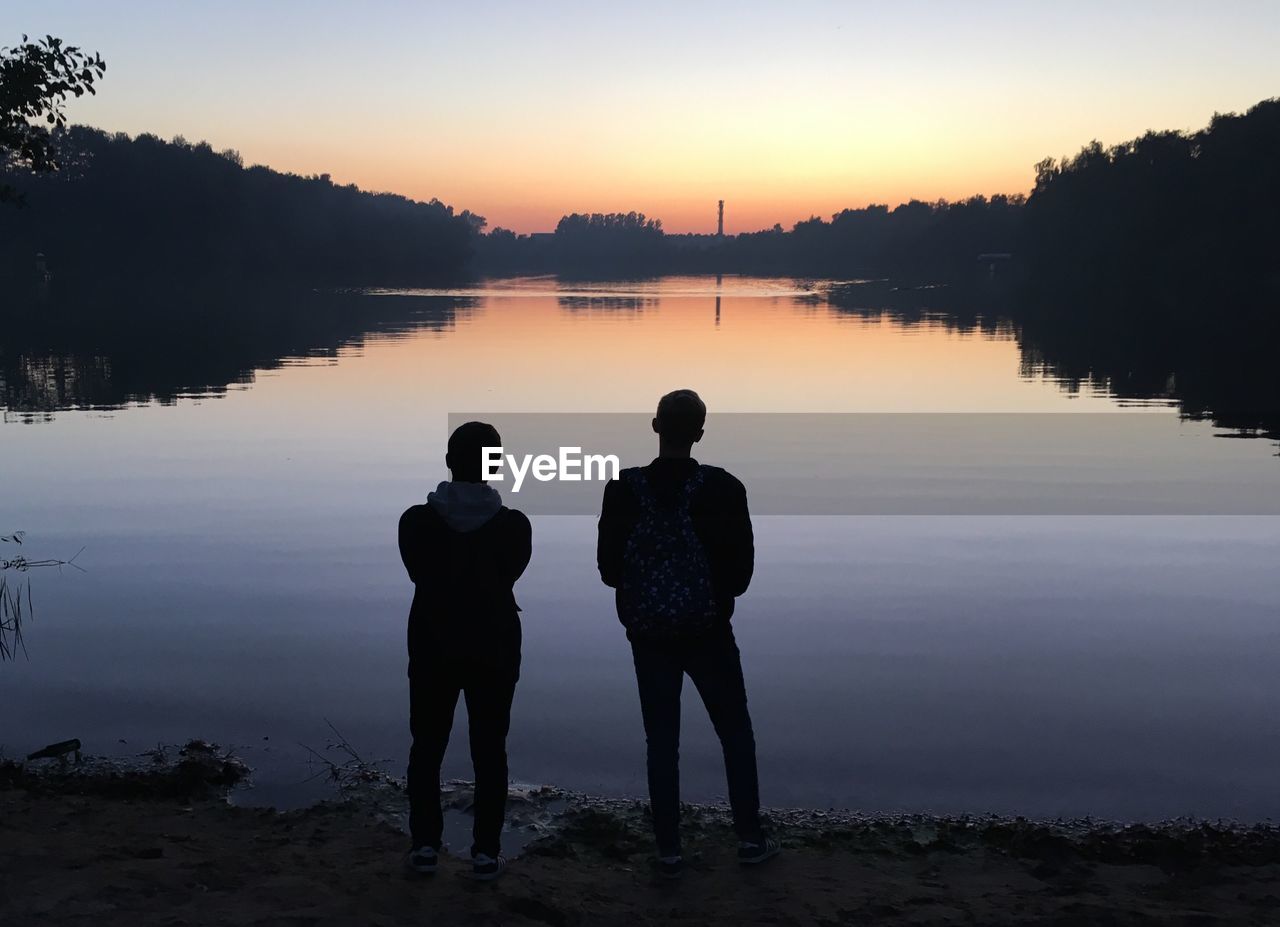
[(518, 552), (611, 537), (740, 550), (413, 550)]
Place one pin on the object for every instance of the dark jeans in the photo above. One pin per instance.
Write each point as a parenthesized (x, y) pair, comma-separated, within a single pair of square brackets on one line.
[(715, 666), (433, 696)]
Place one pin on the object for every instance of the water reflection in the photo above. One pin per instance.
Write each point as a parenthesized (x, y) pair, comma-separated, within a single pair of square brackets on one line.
[(986, 311), (1212, 370), (1118, 346), (103, 352), (622, 305), (242, 580)]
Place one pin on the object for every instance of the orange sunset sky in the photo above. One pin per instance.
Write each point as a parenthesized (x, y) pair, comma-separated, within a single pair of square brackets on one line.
[(525, 111)]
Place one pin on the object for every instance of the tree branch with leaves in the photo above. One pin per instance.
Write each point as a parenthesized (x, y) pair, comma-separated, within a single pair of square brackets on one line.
[(36, 79)]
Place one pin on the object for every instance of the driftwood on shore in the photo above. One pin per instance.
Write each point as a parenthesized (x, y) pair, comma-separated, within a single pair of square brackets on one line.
[(54, 750), (60, 749), (198, 769)]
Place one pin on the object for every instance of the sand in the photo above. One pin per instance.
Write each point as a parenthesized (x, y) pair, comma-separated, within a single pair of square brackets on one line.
[(88, 850)]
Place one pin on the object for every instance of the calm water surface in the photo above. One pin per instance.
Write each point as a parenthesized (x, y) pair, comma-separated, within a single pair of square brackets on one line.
[(241, 581)]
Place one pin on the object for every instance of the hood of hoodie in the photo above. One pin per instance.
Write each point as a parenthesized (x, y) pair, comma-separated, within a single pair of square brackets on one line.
[(465, 506)]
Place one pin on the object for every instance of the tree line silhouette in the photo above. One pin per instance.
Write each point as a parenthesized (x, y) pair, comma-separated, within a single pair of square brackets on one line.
[(122, 208), (1147, 213), (1149, 266), (1162, 211), (915, 239)]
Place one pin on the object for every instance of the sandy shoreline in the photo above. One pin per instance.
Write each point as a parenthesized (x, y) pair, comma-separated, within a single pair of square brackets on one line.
[(98, 845)]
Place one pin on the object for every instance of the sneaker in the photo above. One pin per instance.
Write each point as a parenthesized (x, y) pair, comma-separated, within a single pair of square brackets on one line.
[(749, 854), (485, 868), (670, 867), (423, 859)]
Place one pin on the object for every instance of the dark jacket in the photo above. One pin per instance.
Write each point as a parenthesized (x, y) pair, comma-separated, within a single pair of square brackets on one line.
[(464, 609), (720, 518)]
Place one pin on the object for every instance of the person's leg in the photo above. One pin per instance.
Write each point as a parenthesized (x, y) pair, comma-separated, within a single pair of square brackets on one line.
[(660, 677), (715, 666), (489, 718), (432, 700)]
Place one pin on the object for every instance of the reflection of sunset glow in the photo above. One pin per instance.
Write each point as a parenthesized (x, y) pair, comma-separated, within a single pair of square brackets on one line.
[(524, 112), (612, 357)]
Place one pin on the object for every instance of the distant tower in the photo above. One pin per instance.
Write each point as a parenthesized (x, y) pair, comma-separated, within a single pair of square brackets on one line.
[(720, 222)]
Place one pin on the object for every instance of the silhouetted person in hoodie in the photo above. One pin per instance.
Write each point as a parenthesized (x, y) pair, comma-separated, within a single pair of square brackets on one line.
[(464, 551), (675, 542)]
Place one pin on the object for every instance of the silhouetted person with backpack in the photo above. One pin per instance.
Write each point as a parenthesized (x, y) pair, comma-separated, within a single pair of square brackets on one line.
[(675, 542), (464, 551)]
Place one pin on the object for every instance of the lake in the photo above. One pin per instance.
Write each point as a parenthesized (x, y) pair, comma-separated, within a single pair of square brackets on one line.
[(1107, 648)]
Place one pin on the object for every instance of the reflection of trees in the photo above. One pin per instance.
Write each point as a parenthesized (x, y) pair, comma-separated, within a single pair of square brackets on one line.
[(90, 351), (39, 385), (1214, 368), (623, 305), (977, 308)]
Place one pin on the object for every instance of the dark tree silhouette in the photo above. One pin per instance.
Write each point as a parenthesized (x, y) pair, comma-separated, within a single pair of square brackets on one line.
[(35, 80), (1152, 267), (917, 240), (1173, 214), (134, 209), (1178, 215), (601, 242)]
